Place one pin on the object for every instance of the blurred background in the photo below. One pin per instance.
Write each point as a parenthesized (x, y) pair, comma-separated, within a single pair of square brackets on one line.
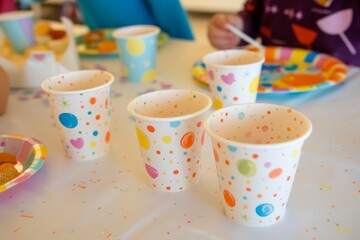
[(199, 11)]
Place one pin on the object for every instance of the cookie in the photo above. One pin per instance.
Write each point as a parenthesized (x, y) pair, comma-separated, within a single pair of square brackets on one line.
[(7, 173)]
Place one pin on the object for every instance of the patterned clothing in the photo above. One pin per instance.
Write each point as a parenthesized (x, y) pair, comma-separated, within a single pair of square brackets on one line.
[(328, 26)]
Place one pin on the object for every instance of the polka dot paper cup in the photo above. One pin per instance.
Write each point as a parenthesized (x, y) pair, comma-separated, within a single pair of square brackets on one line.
[(257, 149), (138, 50), (234, 76), (170, 131), (80, 104)]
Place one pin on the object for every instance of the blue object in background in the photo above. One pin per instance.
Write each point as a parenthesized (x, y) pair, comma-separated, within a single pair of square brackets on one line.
[(169, 15)]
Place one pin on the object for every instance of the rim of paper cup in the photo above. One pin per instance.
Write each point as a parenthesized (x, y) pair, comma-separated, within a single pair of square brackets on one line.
[(8, 16), (117, 32), (166, 119), (210, 63), (46, 89), (303, 137)]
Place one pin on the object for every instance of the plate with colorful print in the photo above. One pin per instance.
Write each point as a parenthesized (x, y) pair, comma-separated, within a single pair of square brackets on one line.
[(101, 43), (288, 70), (20, 158)]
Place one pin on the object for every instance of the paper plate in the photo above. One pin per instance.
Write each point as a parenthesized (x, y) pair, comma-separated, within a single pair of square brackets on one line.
[(84, 50), (288, 70), (28, 151)]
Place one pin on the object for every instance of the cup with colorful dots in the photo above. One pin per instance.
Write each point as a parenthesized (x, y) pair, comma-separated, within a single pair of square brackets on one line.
[(18, 27), (256, 148), (234, 76), (170, 132), (80, 105), (137, 46)]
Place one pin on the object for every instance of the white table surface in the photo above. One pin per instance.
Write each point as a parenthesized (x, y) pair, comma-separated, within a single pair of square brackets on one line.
[(109, 198)]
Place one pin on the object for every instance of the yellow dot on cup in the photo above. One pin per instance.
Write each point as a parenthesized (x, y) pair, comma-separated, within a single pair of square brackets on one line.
[(92, 144), (166, 139), (135, 47), (295, 153), (143, 139), (149, 75), (254, 84), (217, 103)]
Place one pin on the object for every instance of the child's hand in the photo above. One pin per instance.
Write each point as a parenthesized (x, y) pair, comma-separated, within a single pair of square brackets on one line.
[(218, 34)]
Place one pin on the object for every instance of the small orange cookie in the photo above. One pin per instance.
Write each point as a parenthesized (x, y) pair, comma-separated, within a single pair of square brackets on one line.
[(42, 28), (106, 46), (7, 172)]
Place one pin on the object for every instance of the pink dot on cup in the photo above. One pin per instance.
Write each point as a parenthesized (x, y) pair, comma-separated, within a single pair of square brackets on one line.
[(151, 171), (267, 164)]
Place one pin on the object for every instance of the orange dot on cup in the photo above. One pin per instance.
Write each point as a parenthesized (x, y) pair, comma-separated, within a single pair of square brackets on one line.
[(216, 155), (107, 137), (92, 100), (187, 140), (175, 172), (107, 103), (275, 173), (150, 128), (229, 198)]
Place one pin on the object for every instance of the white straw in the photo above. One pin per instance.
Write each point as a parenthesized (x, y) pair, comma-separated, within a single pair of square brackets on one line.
[(245, 37)]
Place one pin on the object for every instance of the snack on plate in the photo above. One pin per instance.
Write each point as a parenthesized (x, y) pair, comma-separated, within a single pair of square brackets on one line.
[(106, 46), (9, 168), (47, 38), (97, 42)]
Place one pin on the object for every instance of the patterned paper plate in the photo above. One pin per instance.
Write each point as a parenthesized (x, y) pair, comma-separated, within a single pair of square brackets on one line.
[(28, 151), (288, 70), (85, 49)]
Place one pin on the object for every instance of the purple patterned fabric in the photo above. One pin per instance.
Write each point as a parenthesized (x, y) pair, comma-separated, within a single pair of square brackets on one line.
[(327, 26)]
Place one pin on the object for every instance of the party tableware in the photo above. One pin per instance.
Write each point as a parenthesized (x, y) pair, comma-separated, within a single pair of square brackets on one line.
[(31, 153), (291, 70), (80, 104), (137, 45), (233, 76), (170, 131), (256, 148), (84, 49), (18, 26)]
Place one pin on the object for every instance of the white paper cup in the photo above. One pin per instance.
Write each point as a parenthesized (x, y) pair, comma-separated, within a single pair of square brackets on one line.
[(256, 148), (170, 131), (234, 76), (138, 50), (80, 104)]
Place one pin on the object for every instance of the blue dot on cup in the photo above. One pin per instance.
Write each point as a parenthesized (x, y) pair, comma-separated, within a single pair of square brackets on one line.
[(175, 124), (68, 120), (241, 115), (218, 88), (232, 148), (95, 133), (264, 210)]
